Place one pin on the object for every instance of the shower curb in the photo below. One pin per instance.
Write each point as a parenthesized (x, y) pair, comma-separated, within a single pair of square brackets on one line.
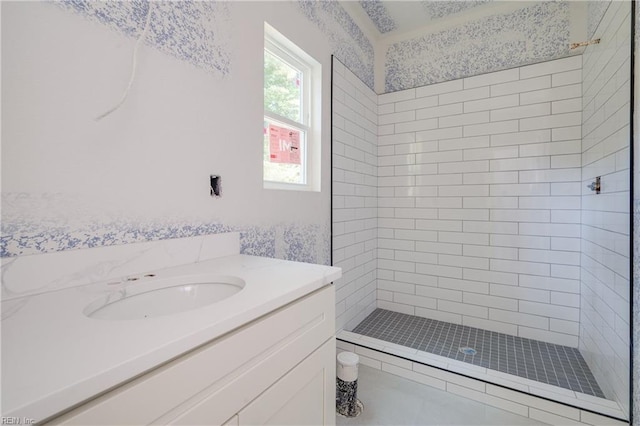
[(515, 401)]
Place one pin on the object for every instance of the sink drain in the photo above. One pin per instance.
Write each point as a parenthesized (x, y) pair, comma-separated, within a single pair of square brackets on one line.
[(468, 351)]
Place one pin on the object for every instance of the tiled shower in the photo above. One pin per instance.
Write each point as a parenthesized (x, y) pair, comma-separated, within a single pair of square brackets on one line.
[(463, 206)]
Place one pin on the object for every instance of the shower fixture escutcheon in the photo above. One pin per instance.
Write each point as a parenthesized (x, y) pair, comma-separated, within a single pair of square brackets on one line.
[(595, 186)]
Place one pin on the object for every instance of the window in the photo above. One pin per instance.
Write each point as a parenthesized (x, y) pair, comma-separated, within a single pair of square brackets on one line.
[(291, 115)]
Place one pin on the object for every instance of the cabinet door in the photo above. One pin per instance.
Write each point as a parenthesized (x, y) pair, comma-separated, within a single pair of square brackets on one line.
[(304, 396)]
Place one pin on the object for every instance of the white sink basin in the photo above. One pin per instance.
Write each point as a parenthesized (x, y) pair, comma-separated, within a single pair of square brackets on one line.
[(155, 297)]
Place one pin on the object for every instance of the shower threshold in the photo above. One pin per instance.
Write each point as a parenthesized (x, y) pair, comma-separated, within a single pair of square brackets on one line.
[(551, 371)]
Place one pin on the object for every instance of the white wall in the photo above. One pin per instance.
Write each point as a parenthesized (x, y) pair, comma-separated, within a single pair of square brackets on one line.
[(355, 183), (605, 276), (195, 109), (479, 207)]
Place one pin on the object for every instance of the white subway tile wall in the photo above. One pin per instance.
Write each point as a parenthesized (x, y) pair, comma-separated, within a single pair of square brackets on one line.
[(605, 296), (491, 236), (467, 202), (355, 183)]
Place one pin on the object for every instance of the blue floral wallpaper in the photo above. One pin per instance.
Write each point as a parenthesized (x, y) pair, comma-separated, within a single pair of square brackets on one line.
[(195, 32), (440, 9), (198, 31), (32, 234), (378, 15), (348, 42), (539, 32)]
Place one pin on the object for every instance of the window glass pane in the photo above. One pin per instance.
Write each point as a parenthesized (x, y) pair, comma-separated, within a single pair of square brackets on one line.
[(282, 88), (284, 155)]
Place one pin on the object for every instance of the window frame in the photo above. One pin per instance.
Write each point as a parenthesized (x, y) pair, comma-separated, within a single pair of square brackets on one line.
[(284, 50)]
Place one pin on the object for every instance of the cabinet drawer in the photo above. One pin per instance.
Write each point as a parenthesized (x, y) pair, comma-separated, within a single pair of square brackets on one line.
[(304, 396), (229, 370)]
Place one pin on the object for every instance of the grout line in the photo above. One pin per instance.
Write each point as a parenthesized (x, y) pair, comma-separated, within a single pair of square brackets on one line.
[(392, 327)]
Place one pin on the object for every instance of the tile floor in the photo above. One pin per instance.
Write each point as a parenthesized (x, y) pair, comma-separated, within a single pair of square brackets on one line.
[(540, 361), (393, 400)]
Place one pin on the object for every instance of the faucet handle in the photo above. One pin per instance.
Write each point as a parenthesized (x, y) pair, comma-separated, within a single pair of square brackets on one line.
[(595, 186)]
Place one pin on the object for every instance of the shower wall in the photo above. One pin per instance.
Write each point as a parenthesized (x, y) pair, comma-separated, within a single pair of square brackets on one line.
[(605, 280), (477, 212), (354, 196), (479, 201)]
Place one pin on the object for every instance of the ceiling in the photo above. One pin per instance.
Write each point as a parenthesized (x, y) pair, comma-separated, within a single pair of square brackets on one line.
[(393, 17)]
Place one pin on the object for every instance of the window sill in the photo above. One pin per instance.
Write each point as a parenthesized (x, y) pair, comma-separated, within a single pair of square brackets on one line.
[(289, 186)]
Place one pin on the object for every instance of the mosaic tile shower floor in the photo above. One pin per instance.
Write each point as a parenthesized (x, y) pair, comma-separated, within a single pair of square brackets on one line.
[(556, 365)]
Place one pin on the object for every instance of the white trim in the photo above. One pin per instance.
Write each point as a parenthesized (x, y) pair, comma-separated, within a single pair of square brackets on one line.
[(285, 121)]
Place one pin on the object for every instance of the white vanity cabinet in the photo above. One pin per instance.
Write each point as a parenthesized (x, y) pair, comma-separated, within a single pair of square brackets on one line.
[(305, 396), (278, 369)]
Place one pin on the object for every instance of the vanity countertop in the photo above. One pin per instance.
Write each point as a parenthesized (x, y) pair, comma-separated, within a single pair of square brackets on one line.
[(54, 357)]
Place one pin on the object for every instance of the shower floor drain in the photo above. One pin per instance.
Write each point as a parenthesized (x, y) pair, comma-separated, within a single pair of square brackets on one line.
[(468, 351)]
